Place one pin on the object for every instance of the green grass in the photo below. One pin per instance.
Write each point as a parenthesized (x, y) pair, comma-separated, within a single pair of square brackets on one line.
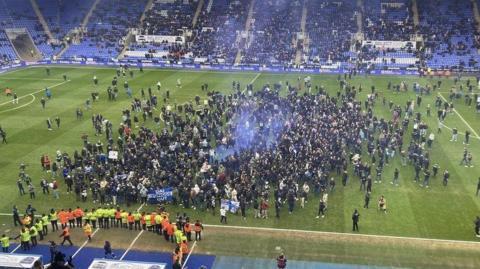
[(437, 212)]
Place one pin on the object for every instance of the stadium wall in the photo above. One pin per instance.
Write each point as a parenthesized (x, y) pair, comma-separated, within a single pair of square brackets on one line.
[(226, 68)]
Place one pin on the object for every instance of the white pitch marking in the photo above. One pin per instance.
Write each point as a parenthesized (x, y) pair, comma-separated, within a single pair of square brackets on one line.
[(23, 96), (18, 107), (342, 234), (84, 244), (460, 116), (189, 253)]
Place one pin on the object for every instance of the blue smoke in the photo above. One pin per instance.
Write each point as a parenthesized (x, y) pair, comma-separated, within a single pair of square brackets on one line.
[(254, 127)]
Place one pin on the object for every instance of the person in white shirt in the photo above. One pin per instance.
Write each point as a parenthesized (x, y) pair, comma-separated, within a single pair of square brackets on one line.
[(223, 215), (306, 190), (431, 137)]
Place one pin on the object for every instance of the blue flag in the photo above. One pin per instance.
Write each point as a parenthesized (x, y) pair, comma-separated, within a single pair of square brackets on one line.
[(160, 195)]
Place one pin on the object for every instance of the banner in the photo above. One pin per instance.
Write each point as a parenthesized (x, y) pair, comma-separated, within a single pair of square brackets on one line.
[(230, 205), (160, 39), (112, 264), (159, 195), (10, 260), (113, 155), (324, 69)]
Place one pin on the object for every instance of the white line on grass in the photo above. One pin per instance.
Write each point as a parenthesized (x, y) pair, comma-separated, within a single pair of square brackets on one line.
[(134, 240), (189, 253), (11, 71), (38, 79), (251, 82), (15, 249), (23, 96), (255, 78), (131, 245), (446, 126), (341, 234), (460, 116), (84, 244), (18, 107)]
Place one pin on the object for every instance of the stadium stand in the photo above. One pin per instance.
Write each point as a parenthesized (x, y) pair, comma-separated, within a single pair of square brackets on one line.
[(20, 14), (173, 19), (273, 33), (330, 27), (381, 34), (103, 39), (64, 15), (448, 28), (7, 53), (218, 29)]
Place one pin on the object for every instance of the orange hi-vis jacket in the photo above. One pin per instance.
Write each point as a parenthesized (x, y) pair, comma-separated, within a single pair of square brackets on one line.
[(198, 227), (70, 215), (118, 214), (170, 229), (142, 219), (66, 232), (184, 247), (187, 228), (62, 215), (165, 223), (130, 219), (152, 218), (77, 213)]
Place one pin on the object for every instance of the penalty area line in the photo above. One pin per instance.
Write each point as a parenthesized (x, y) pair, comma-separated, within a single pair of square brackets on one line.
[(446, 126), (35, 92), (189, 253), (15, 249), (131, 245), (135, 239), (461, 118), (18, 107), (84, 244)]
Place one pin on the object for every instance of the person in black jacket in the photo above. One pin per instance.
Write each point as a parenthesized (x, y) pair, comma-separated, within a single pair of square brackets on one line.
[(478, 186), (355, 219), (367, 200), (477, 227)]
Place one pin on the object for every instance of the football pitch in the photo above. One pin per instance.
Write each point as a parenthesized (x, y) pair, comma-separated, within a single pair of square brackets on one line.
[(441, 216)]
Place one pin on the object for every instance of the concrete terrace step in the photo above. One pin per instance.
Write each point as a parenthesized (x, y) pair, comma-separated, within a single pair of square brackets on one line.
[(39, 14), (197, 12), (248, 24)]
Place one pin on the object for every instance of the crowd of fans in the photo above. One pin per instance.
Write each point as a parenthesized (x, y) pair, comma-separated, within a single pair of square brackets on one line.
[(388, 22), (217, 30), (169, 18), (247, 145)]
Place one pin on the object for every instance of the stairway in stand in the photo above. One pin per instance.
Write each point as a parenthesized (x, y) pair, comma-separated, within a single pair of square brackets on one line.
[(83, 25), (44, 24), (130, 36), (416, 15), (197, 12), (248, 25), (303, 23)]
